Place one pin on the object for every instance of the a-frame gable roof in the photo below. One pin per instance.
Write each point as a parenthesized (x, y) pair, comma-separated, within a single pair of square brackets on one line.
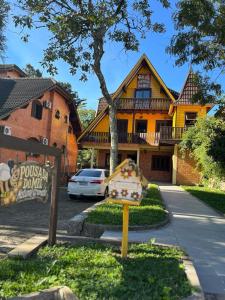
[(189, 89), (125, 83)]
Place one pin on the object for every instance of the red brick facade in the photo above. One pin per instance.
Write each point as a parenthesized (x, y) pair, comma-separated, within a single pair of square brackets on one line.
[(145, 163), (187, 172), (58, 131)]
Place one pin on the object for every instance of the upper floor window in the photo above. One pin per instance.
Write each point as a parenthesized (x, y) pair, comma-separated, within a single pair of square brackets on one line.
[(37, 109), (190, 118), (143, 81), (66, 119), (143, 93), (57, 114), (141, 126)]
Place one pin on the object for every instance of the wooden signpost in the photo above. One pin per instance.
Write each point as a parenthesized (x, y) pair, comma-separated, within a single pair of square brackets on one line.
[(31, 180), (126, 187)]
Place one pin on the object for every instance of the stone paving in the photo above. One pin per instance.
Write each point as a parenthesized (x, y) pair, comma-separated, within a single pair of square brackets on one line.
[(196, 228), (20, 221)]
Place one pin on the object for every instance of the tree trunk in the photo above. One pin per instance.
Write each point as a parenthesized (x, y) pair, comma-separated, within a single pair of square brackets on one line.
[(97, 56), (114, 138)]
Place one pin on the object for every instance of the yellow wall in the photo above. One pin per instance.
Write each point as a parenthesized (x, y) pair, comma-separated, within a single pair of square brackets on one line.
[(178, 115), (154, 85), (103, 126), (179, 120)]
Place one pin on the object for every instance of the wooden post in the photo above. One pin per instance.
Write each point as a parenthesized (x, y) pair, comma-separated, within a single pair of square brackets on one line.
[(125, 230), (174, 158), (138, 157), (92, 157), (54, 202)]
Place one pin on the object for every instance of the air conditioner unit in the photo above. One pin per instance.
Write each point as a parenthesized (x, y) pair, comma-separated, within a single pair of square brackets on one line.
[(47, 104), (6, 130), (44, 141)]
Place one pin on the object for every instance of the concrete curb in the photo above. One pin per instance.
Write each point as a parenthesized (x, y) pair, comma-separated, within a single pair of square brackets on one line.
[(54, 293), (193, 279), (78, 227)]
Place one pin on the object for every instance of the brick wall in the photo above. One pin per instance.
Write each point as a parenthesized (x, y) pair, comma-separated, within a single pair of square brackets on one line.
[(24, 126), (187, 172), (145, 164)]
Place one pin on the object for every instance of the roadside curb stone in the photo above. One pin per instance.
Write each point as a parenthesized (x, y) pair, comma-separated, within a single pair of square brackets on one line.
[(54, 293)]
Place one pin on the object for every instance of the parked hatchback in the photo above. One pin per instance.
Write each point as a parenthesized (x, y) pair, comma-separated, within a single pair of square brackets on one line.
[(88, 182)]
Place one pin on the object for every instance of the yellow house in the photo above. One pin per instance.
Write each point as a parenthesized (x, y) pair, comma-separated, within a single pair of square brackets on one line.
[(151, 119)]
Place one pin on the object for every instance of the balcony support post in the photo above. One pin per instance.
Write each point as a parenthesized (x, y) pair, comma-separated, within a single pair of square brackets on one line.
[(138, 157), (174, 158), (92, 157)]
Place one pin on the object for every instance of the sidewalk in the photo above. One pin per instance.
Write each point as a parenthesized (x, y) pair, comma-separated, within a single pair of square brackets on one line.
[(196, 228)]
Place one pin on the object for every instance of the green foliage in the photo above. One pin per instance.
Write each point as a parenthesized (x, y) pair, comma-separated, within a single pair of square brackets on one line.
[(4, 8), (201, 33), (68, 87), (86, 116), (79, 28), (150, 212), (206, 141), (213, 197), (32, 72), (84, 155), (98, 272), (200, 39)]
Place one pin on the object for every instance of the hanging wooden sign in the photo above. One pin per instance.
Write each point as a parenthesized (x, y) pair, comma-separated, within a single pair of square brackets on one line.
[(26, 181)]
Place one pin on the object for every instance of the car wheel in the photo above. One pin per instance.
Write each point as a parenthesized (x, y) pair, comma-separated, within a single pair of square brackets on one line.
[(71, 197)]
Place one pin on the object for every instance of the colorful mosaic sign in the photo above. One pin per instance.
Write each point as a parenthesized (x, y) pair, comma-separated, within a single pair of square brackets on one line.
[(26, 181), (143, 81), (126, 184)]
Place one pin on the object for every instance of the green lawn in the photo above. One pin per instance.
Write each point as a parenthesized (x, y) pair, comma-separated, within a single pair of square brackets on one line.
[(214, 198), (151, 211), (98, 272)]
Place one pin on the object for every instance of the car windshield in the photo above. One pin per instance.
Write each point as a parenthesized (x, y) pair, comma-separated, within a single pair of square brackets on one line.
[(89, 173)]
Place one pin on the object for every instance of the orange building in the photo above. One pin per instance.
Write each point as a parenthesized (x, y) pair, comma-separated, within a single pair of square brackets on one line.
[(151, 119), (38, 109)]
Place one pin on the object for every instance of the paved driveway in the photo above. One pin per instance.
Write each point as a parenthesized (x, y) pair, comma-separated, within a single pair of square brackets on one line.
[(20, 221), (196, 228)]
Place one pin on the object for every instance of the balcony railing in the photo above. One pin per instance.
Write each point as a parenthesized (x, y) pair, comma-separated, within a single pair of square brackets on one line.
[(155, 104), (171, 133), (151, 138)]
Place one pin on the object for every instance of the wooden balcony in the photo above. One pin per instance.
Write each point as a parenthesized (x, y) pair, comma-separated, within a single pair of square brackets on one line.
[(167, 135), (171, 134), (133, 104)]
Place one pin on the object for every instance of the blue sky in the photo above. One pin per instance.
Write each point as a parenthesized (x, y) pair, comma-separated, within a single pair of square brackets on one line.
[(116, 64)]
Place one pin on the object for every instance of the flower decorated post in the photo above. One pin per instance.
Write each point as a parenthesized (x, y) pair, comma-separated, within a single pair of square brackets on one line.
[(126, 188)]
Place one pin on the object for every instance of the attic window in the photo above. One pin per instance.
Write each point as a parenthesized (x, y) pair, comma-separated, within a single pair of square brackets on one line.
[(143, 81), (190, 118), (36, 111), (57, 114)]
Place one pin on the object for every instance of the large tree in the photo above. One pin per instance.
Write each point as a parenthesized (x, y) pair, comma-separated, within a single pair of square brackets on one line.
[(4, 8), (80, 30), (200, 40)]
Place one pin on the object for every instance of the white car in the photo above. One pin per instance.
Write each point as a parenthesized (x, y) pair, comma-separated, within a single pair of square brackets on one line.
[(88, 182)]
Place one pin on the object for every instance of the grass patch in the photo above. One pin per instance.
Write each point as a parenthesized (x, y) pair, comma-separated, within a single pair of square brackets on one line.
[(150, 212), (214, 198), (98, 272)]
